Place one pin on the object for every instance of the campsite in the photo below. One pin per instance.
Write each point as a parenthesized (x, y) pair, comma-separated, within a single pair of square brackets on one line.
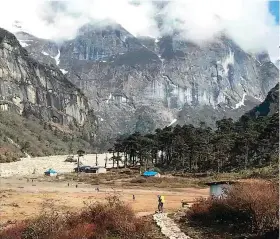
[(27, 196), (66, 190), (32, 196), (59, 189)]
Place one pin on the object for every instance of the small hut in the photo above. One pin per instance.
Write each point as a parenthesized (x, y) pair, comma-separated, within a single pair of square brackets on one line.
[(219, 188), (151, 174), (50, 172)]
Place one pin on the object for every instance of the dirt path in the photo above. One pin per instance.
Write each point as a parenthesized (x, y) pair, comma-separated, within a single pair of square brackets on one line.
[(168, 227), (20, 199)]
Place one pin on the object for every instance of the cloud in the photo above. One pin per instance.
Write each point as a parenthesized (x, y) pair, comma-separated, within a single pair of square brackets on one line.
[(247, 22)]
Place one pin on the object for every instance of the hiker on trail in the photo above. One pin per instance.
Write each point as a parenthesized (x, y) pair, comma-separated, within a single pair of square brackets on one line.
[(160, 203), (133, 197)]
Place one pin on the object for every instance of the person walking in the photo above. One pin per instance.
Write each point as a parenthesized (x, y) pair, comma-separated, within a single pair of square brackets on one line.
[(160, 204), (133, 197)]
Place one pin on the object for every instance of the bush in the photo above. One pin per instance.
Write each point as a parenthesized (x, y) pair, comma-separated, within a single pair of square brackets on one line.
[(14, 232), (249, 207), (8, 157), (81, 230), (116, 219), (112, 219)]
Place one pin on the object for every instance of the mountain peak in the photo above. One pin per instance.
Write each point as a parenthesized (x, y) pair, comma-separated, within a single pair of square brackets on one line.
[(144, 83)]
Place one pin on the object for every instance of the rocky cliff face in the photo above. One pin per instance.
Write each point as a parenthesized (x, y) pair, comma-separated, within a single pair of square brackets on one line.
[(32, 88), (144, 83), (269, 106)]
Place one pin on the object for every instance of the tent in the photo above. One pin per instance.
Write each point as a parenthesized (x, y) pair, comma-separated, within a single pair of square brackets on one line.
[(151, 174), (50, 172)]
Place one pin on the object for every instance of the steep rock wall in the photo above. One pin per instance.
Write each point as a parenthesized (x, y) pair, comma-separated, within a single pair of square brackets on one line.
[(29, 87)]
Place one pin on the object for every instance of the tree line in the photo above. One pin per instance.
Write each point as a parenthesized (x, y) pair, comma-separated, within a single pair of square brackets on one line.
[(249, 142)]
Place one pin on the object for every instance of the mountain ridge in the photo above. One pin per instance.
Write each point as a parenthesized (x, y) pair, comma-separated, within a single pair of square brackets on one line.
[(131, 84)]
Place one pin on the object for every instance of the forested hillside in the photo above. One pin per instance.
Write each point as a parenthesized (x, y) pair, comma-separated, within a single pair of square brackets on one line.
[(20, 137), (252, 141)]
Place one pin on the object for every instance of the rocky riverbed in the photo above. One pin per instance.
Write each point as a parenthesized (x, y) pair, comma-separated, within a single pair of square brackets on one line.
[(38, 165)]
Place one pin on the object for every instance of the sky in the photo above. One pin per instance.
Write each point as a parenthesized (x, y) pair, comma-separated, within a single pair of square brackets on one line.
[(274, 9), (252, 24)]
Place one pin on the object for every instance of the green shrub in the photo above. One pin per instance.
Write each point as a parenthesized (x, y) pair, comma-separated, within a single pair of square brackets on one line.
[(35, 137)]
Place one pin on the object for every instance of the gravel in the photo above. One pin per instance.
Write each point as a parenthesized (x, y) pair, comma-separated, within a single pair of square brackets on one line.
[(168, 227), (38, 165)]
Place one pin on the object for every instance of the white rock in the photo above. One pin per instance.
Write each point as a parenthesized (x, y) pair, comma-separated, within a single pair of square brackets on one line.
[(168, 227)]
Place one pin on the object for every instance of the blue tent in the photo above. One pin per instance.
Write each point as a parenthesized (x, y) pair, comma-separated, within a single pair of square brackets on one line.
[(150, 173), (50, 171)]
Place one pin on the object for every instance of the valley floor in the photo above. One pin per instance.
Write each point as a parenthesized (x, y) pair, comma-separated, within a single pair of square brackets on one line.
[(25, 194), (21, 199)]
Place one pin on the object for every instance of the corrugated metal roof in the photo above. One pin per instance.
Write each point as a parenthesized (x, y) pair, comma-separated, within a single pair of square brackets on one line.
[(219, 182)]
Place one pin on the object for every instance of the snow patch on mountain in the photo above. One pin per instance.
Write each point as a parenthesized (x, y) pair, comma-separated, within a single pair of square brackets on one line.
[(45, 53), (63, 71), (255, 58), (23, 43), (110, 97), (57, 60), (241, 103), (173, 122), (228, 60)]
